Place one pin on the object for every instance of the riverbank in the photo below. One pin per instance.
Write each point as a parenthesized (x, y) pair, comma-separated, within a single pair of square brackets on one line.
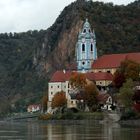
[(73, 116)]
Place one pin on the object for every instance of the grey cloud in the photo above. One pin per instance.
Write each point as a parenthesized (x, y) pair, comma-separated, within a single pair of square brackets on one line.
[(23, 15)]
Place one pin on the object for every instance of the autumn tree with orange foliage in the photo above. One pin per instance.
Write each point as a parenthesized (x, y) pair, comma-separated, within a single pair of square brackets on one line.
[(90, 97), (59, 100), (78, 81), (87, 90)]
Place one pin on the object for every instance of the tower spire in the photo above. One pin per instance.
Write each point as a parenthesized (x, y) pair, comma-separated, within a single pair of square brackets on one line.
[(86, 48)]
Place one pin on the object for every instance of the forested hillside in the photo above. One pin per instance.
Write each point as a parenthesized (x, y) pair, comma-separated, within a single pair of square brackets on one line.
[(18, 77), (28, 59)]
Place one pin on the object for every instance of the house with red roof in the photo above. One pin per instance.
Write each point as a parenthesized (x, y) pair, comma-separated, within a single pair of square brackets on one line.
[(105, 101), (33, 108)]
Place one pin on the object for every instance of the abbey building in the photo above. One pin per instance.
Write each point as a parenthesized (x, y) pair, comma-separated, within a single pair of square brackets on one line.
[(98, 70)]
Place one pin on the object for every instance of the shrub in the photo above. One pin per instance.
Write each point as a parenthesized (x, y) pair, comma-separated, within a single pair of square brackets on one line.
[(45, 116), (129, 114)]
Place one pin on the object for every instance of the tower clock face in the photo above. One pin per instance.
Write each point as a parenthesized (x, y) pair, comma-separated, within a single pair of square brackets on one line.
[(83, 40)]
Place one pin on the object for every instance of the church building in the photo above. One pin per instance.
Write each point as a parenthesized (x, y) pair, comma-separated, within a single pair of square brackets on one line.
[(98, 70)]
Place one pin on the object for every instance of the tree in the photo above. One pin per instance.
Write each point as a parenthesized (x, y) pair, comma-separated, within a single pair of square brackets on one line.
[(130, 69), (91, 93), (86, 91), (118, 79), (126, 93), (78, 80), (44, 103), (59, 100)]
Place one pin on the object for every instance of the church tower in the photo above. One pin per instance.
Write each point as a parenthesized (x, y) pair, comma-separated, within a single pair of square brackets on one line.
[(86, 51)]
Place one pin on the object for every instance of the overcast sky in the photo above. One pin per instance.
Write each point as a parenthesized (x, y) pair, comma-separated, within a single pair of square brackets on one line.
[(23, 15)]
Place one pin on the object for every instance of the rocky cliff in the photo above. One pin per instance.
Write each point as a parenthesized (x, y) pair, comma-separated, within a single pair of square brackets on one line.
[(116, 28)]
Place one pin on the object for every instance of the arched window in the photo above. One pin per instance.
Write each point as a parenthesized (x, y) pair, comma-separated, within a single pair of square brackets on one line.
[(91, 47), (89, 31), (83, 47), (83, 63), (84, 31)]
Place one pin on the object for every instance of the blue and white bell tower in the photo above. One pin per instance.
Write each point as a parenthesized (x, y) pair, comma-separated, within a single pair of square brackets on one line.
[(86, 51)]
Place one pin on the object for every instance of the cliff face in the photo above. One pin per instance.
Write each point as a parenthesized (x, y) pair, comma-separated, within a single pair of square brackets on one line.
[(58, 48), (116, 29)]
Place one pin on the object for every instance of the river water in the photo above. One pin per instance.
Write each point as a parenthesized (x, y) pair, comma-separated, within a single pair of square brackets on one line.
[(67, 130)]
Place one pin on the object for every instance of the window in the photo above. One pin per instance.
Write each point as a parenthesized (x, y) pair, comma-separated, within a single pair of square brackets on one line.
[(84, 31), (89, 31), (51, 93), (83, 47), (91, 48), (109, 99), (83, 63), (71, 102), (51, 86), (108, 71), (58, 86)]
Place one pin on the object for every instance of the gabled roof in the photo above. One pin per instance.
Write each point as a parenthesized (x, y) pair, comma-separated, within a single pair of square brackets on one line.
[(34, 106), (62, 76), (114, 60)]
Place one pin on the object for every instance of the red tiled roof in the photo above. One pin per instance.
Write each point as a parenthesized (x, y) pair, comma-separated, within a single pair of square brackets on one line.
[(114, 60), (99, 76), (34, 106), (60, 76)]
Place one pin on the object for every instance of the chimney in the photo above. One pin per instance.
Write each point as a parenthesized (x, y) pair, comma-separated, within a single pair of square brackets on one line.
[(64, 71)]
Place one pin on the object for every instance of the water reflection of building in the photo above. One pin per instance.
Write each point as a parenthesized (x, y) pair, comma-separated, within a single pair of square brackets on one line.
[(111, 131)]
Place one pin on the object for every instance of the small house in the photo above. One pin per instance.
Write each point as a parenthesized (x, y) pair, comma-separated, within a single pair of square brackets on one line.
[(34, 108)]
